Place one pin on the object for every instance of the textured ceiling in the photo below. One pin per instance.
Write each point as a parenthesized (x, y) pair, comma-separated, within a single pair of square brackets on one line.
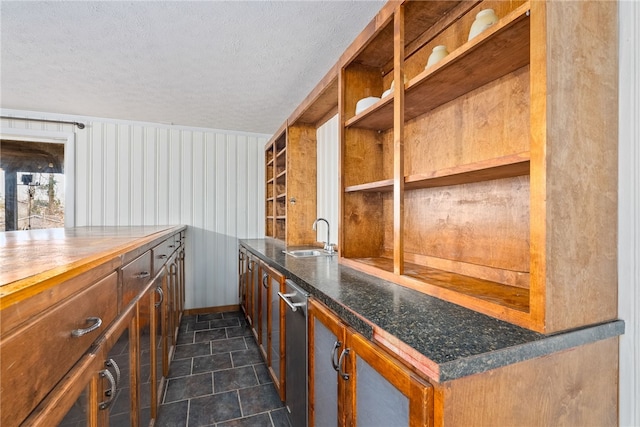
[(238, 65)]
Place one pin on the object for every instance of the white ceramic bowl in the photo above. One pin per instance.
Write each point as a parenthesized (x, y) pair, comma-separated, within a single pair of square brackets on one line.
[(365, 103), (387, 92)]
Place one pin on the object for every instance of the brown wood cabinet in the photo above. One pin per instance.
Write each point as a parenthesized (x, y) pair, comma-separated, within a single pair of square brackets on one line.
[(290, 168), (48, 346), (264, 311), (353, 381), (93, 351), (271, 325), (486, 179)]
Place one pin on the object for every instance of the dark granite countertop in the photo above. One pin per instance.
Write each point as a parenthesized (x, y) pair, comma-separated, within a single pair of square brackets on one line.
[(457, 340)]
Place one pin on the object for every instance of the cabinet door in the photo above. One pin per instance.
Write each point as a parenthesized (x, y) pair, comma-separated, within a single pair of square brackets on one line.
[(275, 325), (256, 292), (102, 388), (180, 285), (248, 303), (381, 391), (326, 342), (242, 280), (265, 308), (119, 379), (151, 350), (173, 299)]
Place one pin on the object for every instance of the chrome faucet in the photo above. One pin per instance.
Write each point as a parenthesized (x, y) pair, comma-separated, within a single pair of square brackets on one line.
[(327, 246)]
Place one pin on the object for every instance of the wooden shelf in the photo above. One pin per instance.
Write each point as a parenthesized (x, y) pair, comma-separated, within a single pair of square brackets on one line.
[(501, 49), (498, 51), (511, 297), (377, 117), (502, 167), (384, 185)]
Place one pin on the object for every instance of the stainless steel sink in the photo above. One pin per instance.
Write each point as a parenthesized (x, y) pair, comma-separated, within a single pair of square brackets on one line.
[(305, 253)]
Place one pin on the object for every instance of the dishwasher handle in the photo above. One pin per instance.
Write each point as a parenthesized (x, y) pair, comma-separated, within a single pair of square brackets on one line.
[(292, 305)]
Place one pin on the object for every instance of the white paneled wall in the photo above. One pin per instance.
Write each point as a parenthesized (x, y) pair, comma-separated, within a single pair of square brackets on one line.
[(129, 173), (328, 174), (629, 212)]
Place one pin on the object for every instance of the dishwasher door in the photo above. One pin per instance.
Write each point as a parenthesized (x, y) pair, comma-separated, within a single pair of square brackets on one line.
[(296, 353)]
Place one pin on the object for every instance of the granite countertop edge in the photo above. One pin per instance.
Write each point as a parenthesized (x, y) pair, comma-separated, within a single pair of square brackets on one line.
[(459, 341)]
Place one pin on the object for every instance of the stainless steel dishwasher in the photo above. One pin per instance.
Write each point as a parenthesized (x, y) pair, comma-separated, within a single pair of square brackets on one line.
[(296, 353)]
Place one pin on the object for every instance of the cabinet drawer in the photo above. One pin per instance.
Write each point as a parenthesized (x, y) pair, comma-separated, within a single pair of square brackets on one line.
[(135, 276), (161, 254), (36, 356)]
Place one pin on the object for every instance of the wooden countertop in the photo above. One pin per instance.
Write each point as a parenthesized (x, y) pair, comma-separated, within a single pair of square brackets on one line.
[(31, 261)]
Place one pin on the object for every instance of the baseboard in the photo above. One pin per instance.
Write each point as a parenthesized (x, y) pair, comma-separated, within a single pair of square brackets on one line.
[(207, 310)]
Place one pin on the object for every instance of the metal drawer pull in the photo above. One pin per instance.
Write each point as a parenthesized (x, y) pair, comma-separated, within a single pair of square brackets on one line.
[(142, 275), (112, 363), (161, 292), (171, 246), (97, 322), (293, 305), (336, 346), (264, 280), (162, 256), (343, 374), (111, 393)]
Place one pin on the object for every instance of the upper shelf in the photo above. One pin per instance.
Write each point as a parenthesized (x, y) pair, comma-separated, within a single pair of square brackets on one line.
[(501, 49)]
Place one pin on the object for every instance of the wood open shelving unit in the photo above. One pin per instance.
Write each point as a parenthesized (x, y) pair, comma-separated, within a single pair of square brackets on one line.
[(469, 181), (456, 184)]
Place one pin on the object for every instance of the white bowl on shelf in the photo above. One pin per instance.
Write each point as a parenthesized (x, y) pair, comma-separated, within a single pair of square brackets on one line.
[(484, 19), (387, 92), (365, 103), (439, 52)]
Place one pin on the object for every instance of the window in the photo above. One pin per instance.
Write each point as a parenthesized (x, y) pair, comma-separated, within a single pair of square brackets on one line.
[(31, 184)]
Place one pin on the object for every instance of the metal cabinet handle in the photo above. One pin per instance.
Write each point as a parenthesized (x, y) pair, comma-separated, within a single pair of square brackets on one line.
[(343, 374), (112, 364), (97, 322), (162, 256), (171, 246), (292, 305), (142, 275), (334, 363), (111, 393), (161, 292), (264, 280)]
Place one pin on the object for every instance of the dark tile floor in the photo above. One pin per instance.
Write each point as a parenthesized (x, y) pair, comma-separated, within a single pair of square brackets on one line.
[(218, 378)]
